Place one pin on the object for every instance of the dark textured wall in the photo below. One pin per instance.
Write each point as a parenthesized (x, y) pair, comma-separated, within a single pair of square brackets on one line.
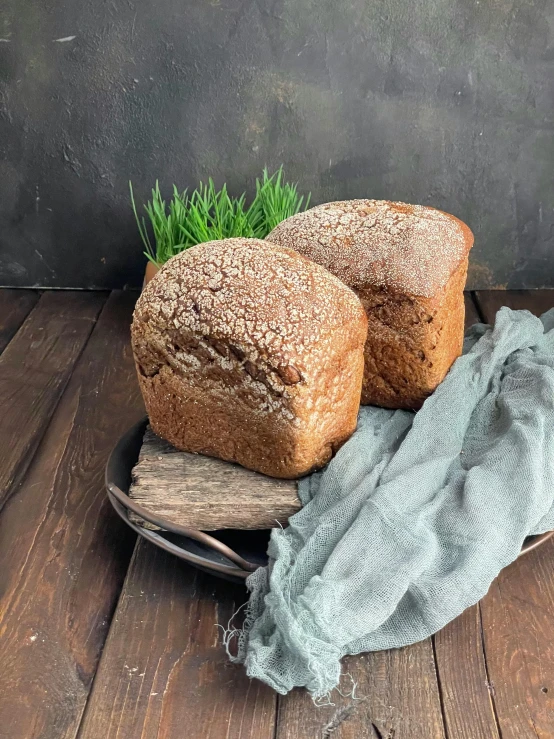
[(443, 102)]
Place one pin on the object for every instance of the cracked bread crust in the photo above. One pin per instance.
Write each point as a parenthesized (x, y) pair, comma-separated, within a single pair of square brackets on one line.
[(405, 248), (250, 352), (408, 265)]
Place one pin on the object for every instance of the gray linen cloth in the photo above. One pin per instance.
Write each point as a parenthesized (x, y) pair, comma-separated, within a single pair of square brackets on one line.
[(415, 516)]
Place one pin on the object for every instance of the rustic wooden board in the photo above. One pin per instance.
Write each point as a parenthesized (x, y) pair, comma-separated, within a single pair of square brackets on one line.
[(206, 493), (464, 683), (60, 575), (34, 370), (15, 305), (518, 623), (518, 611), (396, 696), (164, 672), (63, 550)]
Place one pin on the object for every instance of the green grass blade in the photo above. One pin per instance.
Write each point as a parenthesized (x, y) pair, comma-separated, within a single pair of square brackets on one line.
[(208, 213)]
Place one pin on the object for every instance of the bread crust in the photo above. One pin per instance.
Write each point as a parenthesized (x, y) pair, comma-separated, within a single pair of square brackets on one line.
[(411, 342), (250, 352), (408, 266)]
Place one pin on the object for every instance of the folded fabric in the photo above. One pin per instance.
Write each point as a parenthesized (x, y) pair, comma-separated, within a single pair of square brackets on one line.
[(414, 517)]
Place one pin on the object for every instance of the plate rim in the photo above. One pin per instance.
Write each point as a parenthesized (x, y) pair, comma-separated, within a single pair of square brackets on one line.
[(118, 477)]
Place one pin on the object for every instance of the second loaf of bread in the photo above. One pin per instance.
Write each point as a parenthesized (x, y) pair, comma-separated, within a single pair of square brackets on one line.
[(250, 352), (407, 264)]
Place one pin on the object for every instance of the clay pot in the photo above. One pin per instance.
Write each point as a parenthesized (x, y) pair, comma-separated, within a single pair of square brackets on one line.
[(151, 271)]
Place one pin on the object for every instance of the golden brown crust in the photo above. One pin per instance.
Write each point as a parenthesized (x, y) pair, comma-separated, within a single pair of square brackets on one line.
[(408, 266), (252, 353), (405, 248), (411, 343)]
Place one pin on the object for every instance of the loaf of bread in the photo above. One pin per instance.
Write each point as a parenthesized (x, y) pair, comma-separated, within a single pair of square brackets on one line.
[(408, 265), (250, 352)]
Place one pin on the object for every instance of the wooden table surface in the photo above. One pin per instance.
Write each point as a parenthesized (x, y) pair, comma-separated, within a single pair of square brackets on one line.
[(104, 637)]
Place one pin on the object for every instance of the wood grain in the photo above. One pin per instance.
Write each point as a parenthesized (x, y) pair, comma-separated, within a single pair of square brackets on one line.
[(464, 683), (518, 623), (396, 696), (34, 370), (206, 493), (15, 305), (63, 550), (164, 672), (518, 611)]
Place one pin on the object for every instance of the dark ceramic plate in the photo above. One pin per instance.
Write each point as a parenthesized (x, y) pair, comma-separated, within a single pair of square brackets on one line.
[(229, 554)]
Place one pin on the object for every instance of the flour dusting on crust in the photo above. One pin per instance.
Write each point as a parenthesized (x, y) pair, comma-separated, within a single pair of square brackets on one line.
[(407, 248), (264, 297)]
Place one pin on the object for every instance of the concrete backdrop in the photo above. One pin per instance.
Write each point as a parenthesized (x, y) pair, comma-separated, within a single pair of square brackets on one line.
[(442, 102)]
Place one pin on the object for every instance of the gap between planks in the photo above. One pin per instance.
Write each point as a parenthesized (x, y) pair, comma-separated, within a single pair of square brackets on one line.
[(66, 548), (35, 368)]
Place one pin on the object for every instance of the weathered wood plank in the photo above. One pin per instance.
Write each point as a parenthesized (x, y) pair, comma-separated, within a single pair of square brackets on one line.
[(164, 672), (206, 493), (34, 370), (518, 611), (466, 693), (15, 305), (63, 550), (396, 696), (518, 623)]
